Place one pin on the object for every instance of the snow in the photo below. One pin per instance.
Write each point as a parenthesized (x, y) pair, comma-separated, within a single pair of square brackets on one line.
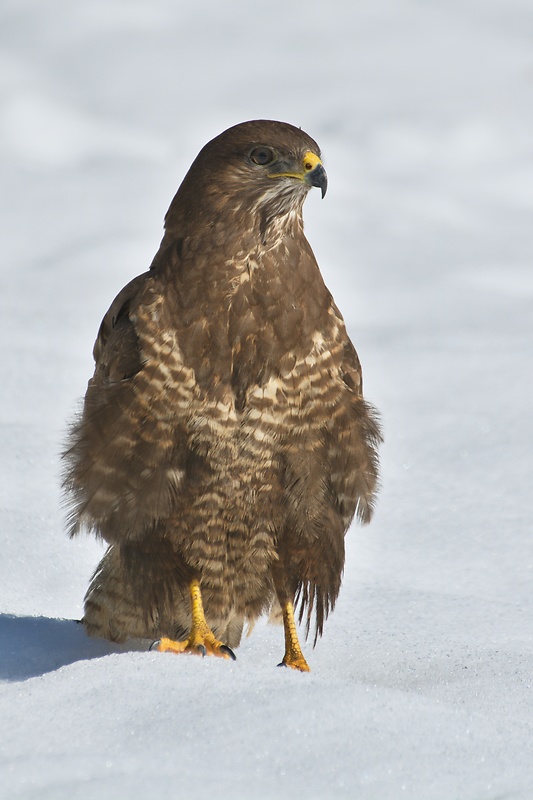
[(421, 685)]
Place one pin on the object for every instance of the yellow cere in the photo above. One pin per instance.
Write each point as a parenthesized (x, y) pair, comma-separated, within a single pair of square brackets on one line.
[(310, 161)]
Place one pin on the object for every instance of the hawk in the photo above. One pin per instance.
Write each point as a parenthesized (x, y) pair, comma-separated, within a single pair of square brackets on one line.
[(224, 445)]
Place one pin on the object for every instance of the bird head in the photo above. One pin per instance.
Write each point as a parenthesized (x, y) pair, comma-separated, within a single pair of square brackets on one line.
[(261, 170)]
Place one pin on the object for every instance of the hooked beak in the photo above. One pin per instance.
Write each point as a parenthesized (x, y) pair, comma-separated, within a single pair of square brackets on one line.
[(311, 171), (317, 177)]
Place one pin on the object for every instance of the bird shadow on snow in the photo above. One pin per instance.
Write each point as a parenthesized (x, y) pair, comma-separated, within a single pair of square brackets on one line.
[(32, 646)]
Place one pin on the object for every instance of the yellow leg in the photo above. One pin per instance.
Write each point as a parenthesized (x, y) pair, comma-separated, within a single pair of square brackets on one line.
[(201, 639), (293, 653)]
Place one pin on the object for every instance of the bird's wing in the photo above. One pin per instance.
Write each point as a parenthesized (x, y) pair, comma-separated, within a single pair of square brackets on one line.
[(354, 464), (350, 366), (116, 351), (128, 452)]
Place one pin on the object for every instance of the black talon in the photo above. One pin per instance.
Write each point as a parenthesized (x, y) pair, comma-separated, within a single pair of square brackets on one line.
[(202, 650), (281, 664), (154, 644), (225, 649)]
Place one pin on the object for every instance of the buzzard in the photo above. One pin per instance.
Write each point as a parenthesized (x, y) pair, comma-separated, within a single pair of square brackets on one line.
[(224, 445)]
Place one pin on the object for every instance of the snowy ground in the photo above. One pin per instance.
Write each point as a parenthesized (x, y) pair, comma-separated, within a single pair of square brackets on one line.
[(421, 685)]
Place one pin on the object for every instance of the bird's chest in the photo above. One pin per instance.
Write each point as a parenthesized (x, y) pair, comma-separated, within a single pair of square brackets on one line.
[(256, 415), (256, 358)]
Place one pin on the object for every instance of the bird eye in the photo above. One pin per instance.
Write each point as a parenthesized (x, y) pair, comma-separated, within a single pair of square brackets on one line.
[(262, 155)]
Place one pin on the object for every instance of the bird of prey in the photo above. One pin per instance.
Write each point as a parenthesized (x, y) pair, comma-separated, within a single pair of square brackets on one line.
[(224, 445)]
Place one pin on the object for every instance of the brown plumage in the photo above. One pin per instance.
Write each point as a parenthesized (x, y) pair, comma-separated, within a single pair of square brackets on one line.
[(224, 445)]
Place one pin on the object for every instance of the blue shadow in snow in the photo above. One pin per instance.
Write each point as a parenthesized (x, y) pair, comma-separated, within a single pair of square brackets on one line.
[(32, 646)]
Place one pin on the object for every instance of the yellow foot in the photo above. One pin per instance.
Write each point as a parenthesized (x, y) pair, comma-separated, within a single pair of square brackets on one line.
[(201, 639), (199, 645), (298, 662), (293, 657)]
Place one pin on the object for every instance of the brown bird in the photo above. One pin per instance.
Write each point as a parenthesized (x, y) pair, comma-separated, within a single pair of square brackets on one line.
[(224, 444)]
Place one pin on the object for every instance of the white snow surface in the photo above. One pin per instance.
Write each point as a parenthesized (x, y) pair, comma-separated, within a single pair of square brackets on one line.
[(421, 685)]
